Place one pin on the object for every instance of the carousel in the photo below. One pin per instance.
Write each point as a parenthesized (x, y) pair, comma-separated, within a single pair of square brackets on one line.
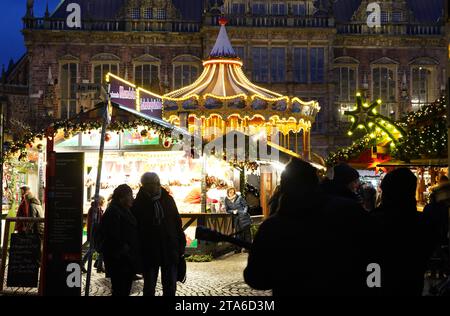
[(223, 99)]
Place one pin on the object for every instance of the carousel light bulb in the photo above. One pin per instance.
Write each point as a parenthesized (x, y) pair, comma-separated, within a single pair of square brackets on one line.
[(379, 101), (358, 94)]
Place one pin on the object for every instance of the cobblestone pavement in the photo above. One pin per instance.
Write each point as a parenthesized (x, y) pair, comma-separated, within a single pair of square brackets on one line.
[(221, 277)]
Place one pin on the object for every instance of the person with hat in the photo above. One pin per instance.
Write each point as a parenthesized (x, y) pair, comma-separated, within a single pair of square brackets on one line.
[(30, 206), (161, 235)]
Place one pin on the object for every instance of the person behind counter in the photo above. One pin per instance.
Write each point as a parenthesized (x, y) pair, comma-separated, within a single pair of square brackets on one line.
[(236, 205), (120, 246), (161, 235)]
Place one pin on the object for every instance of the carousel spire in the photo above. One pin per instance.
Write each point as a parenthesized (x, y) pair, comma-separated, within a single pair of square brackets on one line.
[(223, 48)]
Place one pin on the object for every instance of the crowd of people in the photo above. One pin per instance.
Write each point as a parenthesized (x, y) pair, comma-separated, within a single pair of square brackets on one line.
[(323, 236), (322, 239)]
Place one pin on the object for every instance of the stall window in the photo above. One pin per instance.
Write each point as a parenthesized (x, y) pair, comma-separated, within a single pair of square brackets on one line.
[(68, 78), (383, 84), (100, 71), (301, 65), (277, 64), (317, 64), (185, 74), (260, 64), (147, 76)]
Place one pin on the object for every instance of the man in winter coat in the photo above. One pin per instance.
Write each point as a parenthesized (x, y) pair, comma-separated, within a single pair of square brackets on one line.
[(30, 207), (161, 235)]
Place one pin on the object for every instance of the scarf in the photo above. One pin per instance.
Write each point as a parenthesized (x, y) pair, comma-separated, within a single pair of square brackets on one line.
[(159, 213), (233, 198)]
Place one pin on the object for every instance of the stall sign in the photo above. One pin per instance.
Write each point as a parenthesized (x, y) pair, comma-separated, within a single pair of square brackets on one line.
[(122, 92), (150, 104)]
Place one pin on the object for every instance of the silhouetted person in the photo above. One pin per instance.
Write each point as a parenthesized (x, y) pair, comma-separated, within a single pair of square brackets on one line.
[(345, 183), (286, 254), (98, 212), (274, 201), (313, 244), (236, 205), (403, 242), (120, 247), (160, 233)]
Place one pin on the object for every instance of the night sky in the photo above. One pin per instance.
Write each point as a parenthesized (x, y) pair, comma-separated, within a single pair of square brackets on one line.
[(11, 38)]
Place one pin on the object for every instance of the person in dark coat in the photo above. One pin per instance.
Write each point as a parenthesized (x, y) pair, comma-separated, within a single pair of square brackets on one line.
[(30, 206), (236, 205), (98, 212), (311, 245), (120, 248), (404, 244), (345, 183), (161, 235)]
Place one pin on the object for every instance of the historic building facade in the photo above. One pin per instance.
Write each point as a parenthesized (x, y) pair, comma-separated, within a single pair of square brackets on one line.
[(322, 50)]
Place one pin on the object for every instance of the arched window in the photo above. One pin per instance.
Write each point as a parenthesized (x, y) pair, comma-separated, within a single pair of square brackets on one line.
[(68, 77), (346, 78), (186, 70), (423, 82), (146, 72), (102, 64)]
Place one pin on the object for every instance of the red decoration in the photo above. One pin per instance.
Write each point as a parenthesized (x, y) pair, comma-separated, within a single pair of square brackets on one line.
[(223, 21), (107, 137), (167, 143)]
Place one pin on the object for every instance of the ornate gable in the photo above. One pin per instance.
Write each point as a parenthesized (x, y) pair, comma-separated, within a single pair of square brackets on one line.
[(149, 9)]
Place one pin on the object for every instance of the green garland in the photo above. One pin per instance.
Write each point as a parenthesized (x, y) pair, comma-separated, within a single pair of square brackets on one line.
[(427, 135), (352, 151), (71, 128)]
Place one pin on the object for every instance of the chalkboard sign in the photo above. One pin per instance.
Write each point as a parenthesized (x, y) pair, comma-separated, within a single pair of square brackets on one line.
[(24, 260), (64, 223)]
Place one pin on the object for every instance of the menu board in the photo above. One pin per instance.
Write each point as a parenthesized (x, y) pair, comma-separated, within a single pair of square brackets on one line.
[(24, 260), (64, 220)]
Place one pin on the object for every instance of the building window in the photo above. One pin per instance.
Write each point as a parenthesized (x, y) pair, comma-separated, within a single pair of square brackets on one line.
[(346, 83), (318, 125), (300, 65), (238, 8), (277, 64), (68, 78), (184, 75), (161, 14), (278, 9), (147, 76), (260, 64), (421, 87), (383, 84), (397, 16), (101, 70), (317, 64), (148, 13), (240, 52), (299, 9), (259, 9), (384, 17), (135, 13)]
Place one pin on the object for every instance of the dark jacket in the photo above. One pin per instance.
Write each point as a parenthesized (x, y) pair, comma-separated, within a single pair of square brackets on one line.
[(121, 244), (161, 244), (335, 189), (90, 217), (402, 249), (241, 218), (314, 249)]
